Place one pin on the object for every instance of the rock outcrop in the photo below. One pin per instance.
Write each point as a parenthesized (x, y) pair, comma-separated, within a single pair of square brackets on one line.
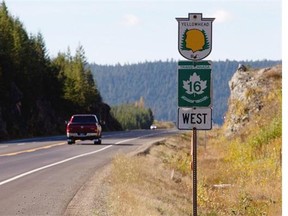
[(249, 88)]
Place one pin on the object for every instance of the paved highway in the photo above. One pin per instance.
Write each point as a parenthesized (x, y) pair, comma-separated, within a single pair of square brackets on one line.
[(40, 176)]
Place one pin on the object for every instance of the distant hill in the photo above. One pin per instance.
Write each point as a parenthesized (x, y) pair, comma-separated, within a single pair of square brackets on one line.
[(157, 83)]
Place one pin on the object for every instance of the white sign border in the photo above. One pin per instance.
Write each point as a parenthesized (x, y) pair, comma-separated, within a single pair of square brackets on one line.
[(207, 126)]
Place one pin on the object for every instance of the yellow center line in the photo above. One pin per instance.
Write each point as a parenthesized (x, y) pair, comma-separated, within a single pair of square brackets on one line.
[(32, 150)]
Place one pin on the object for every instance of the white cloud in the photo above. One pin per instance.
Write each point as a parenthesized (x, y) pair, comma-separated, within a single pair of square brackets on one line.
[(130, 20), (222, 16)]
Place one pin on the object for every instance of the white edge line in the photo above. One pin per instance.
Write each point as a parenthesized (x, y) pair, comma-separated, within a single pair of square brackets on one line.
[(51, 165), (66, 160)]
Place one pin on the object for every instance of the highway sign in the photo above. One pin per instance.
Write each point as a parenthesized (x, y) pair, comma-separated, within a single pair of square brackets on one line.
[(195, 36), (194, 118), (194, 84)]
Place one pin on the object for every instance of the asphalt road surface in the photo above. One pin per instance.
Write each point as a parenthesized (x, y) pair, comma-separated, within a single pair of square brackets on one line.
[(40, 176)]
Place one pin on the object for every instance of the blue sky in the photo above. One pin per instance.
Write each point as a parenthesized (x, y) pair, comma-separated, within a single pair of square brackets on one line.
[(118, 31)]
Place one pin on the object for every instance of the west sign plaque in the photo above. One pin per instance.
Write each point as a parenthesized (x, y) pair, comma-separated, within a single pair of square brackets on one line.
[(194, 118)]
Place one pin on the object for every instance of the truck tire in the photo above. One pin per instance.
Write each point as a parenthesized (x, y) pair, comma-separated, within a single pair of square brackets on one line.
[(97, 141), (70, 141)]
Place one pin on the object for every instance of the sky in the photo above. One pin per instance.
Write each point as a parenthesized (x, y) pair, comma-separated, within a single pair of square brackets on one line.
[(126, 32)]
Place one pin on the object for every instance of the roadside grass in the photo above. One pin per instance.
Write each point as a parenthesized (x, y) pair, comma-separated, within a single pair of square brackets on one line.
[(238, 175), (144, 185), (249, 166), (232, 179)]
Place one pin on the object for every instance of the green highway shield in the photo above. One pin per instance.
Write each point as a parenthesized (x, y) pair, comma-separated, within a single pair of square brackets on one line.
[(194, 84)]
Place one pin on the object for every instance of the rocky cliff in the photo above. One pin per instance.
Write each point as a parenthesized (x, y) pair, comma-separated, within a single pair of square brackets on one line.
[(250, 89)]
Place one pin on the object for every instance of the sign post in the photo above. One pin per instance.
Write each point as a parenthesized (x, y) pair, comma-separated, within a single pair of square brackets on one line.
[(194, 83), (194, 180)]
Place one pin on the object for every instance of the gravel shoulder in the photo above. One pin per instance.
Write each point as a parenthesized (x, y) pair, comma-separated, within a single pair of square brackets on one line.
[(91, 198)]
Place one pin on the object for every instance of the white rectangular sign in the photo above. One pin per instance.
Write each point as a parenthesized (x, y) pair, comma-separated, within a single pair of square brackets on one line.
[(199, 118)]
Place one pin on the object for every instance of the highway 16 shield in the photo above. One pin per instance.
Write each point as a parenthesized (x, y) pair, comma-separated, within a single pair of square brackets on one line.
[(194, 84)]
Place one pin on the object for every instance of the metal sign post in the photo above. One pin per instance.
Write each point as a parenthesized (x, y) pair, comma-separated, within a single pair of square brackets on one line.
[(194, 83), (194, 171)]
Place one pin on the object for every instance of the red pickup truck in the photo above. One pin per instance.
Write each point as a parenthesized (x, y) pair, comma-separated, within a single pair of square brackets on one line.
[(83, 127)]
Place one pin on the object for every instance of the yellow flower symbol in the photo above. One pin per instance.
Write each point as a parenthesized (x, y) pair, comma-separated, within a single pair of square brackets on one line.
[(195, 40)]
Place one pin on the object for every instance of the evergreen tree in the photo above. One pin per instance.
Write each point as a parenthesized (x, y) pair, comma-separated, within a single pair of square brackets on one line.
[(131, 116), (79, 87)]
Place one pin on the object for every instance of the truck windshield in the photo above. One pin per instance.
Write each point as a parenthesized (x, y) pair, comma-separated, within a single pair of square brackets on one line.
[(84, 119)]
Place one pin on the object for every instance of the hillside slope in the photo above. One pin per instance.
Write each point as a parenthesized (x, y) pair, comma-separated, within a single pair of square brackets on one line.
[(239, 173)]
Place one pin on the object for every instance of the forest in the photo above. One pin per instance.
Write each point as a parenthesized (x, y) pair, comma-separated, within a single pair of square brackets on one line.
[(38, 93), (156, 82)]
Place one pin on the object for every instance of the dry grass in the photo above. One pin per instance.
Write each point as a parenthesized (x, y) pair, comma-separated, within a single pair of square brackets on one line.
[(160, 182), (144, 185), (250, 162), (247, 166), (275, 73)]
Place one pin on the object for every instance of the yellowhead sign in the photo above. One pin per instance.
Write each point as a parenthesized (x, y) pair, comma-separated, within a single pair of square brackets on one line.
[(195, 36)]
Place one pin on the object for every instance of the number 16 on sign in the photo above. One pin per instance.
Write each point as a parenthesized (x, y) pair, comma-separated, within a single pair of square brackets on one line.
[(194, 84)]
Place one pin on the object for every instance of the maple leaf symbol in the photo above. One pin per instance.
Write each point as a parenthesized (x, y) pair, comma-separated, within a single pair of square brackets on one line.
[(194, 85)]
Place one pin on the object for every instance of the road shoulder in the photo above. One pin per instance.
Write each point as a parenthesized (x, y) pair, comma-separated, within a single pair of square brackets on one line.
[(91, 198)]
